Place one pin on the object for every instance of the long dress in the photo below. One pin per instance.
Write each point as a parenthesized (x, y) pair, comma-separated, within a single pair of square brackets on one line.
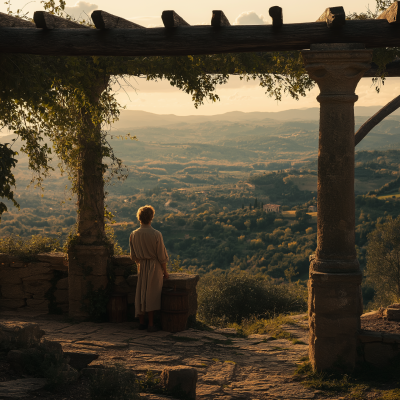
[(147, 245)]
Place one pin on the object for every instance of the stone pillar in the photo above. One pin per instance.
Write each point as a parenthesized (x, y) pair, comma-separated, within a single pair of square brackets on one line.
[(87, 272), (335, 303), (89, 255)]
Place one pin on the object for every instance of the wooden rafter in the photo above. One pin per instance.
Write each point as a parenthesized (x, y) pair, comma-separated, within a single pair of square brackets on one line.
[(335, 17), (392, 14), (104, 20), (8, 21), (277, 16), (219, 19), (172, 20), (46, 20)]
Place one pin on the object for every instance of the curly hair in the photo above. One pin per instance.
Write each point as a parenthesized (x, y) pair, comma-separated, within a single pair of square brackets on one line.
[(145, 214)]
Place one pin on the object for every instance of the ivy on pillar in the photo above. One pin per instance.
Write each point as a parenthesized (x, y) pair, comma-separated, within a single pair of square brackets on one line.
[(334, 287)]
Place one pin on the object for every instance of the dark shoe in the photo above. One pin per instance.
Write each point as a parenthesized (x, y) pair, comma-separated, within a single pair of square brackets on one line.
[(142, 327), (152, 329)]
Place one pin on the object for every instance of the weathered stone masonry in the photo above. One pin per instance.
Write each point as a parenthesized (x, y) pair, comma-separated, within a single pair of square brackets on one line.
[(335, 303), (52, 279)]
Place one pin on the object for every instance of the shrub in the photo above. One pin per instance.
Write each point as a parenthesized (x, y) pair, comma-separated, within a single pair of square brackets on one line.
[(113, 382), (233, 297), (383, 261), (28, 248), (45, 362)]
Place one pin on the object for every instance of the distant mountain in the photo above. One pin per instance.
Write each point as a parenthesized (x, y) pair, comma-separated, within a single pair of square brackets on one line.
[(138, 119)]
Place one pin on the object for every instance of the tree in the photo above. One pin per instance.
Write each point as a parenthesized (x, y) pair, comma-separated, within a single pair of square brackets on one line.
[(383, 261)]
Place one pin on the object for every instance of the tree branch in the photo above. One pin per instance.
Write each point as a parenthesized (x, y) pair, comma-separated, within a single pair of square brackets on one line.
[(375, 119)]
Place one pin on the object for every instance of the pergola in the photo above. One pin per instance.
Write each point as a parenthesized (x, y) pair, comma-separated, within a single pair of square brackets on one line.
[(337, 55)]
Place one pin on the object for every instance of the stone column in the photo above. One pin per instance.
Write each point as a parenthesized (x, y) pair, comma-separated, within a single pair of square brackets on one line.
[(89, 255), (335, 303)]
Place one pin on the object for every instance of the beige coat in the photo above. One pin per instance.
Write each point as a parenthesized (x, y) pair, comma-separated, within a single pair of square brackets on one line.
[(147, 245)]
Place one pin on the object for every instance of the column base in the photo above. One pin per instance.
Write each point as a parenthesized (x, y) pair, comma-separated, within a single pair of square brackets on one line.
[(334, 306), (87, 268)]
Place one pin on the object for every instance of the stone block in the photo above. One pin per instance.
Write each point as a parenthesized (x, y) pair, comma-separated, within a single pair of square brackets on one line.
[(34, 270), (9, 276), (181, 281), (391, 338), (180, 378), (131, 297), (325, 326), (20, 388), (12, 291), (122, 260), (370, 336), (122, 288), (379, 354), (326, 352), (64, 307), (12, 303), (343, 299), (93, 258), (16, 358), (119, 279), (38, 304), (75, 309), (37, 287), (4, 258), (178, 281), (77, 285), (61, 296), (57, 261), (18, 265), (392, 313), (62, 284), (52, 346), (80, 359), (19, 334), (132, 280)]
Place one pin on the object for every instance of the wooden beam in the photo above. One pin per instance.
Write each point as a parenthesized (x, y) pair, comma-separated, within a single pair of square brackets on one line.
[(277, 16), (171, 19), (8, 21), (104, 20), (335, 17), (219, 19), (190, 40), (46, 20), (392, 14)]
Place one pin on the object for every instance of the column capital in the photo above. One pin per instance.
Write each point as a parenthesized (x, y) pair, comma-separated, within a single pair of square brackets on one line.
[(337, 67)]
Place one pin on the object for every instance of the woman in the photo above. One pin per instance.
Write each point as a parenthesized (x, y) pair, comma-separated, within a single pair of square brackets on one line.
[(149, 253)]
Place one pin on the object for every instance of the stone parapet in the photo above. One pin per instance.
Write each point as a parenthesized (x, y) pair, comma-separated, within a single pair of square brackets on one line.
[(177, 281), (378, 348), (31, 285)]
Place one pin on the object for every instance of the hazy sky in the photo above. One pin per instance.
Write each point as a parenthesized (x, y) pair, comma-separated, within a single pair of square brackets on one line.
[(161, 98)]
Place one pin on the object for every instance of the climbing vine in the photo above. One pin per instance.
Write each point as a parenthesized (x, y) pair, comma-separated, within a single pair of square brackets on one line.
[(69, 100)]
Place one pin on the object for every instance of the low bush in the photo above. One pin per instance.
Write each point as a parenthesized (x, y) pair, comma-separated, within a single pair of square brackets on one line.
[(233, 297), (43, 362), (114, 382), (28, 248)]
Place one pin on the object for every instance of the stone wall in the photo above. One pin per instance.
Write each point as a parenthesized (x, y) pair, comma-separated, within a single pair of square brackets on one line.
[(378, 348), (176, 281), (43, 284), (34, 285)]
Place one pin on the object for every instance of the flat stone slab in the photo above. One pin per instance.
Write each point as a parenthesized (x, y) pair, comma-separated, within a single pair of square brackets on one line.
[(229, 368), (19, 388)]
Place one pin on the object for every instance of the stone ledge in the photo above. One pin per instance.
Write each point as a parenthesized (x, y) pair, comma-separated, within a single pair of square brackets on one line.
[(370, 336)]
